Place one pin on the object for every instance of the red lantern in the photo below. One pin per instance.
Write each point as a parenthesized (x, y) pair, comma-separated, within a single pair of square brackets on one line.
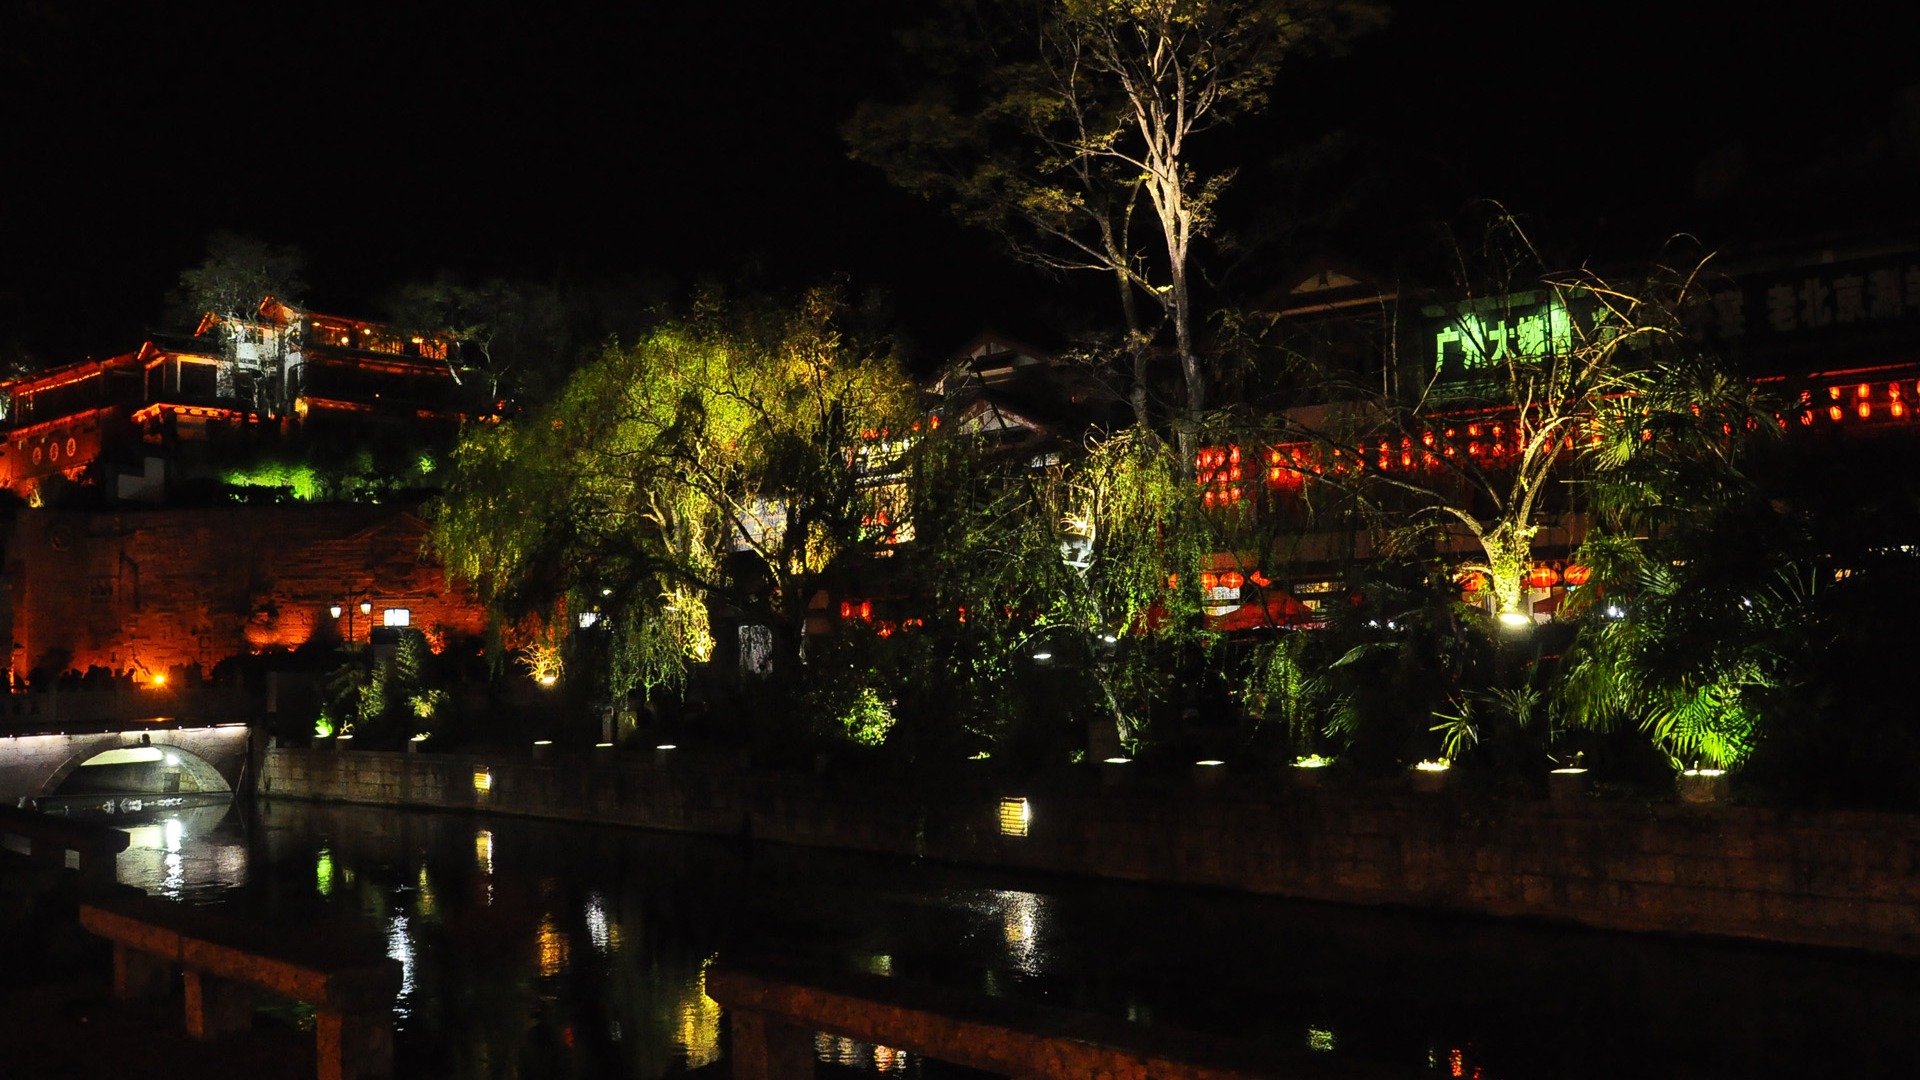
[(1472, 582), (1542, 577), (1577, 575)]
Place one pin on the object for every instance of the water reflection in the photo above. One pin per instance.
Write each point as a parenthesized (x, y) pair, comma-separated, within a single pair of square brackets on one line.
[(189, 853), (483, 922), (601, 934), (840, 1050), (425, 902), (1021, 920), (400, 947), (483, 860), (555, 951), (1022, 913), (483, 851), (698, 1033)]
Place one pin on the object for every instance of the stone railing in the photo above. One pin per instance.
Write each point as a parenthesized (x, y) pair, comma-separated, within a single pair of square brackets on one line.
[(222, 962), (775, 1016)]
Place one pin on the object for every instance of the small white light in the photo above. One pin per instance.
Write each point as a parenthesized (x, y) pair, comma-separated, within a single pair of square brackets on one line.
[(1433, 766), (1515, 618), (1043, 656)]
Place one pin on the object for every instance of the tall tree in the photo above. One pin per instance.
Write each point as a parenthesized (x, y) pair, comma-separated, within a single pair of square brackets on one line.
[(1068, 127), (238, 272)]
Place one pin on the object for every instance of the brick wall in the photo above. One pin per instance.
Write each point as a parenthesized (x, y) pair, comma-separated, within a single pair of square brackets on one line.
[(151, 589), (1848, 880)]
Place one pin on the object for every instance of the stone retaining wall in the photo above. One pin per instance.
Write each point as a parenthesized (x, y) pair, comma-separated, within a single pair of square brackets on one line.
[(1848, 880)]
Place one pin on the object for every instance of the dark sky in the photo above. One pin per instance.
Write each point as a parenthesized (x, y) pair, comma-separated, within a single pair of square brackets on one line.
[(674, 141)]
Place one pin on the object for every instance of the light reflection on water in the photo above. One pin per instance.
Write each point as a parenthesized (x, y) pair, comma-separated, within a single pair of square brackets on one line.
[(698, 1032), (184, 854), (603, 935), (485, 922), (555, 949), (840, 1050), (400, 947)]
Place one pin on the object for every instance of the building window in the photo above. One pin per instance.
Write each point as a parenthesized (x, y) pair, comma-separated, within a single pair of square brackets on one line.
[(397, 616)]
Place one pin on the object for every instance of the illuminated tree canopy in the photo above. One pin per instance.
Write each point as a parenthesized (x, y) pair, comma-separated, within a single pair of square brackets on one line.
[(1536, 378), (704, 466)]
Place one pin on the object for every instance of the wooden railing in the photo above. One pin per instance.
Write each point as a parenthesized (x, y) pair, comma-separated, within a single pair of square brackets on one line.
[(774, 1017), (350, 986)]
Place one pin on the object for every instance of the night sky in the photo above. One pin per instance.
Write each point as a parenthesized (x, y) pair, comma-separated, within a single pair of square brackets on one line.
[(674, 142)]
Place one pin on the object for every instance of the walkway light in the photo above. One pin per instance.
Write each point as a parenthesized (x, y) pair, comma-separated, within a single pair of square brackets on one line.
[(1016, 815)]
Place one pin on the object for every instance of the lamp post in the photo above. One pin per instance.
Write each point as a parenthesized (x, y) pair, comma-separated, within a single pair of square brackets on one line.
[(366, 608)]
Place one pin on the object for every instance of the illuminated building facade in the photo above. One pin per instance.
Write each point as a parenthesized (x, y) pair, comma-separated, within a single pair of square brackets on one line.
[(1832, 336), (118, 424), (136, 551)]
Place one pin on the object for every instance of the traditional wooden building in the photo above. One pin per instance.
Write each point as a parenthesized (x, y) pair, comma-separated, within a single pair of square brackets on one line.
[(1830, 334), (131, 554), (118, 425)]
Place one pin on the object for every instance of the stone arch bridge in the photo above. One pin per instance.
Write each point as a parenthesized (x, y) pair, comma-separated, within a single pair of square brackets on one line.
[(34, 763)]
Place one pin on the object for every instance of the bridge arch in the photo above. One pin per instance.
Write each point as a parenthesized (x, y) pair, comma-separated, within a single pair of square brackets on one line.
[(203, 774)]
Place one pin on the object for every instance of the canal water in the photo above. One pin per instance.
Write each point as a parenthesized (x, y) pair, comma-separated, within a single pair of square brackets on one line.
[(531, 949)]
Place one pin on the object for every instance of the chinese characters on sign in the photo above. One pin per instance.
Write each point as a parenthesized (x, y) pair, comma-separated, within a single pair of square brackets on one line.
[(1513, 328), (1831, 297)]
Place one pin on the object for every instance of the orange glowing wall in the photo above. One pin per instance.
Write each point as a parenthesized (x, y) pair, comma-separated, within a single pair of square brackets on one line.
[(152, 589)]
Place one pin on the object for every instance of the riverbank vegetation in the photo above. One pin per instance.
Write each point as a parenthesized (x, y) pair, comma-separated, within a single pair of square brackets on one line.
[(1562, 529), (752, 533)]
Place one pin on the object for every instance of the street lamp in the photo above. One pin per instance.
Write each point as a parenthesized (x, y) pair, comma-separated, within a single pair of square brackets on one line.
[(366, 608)]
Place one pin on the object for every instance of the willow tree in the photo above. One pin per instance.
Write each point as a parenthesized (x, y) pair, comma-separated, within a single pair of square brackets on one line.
[(1056, 591), (1069, 128), (703, 467)]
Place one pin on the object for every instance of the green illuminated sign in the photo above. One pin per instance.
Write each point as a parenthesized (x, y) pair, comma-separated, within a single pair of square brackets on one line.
[(1512, 328)]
